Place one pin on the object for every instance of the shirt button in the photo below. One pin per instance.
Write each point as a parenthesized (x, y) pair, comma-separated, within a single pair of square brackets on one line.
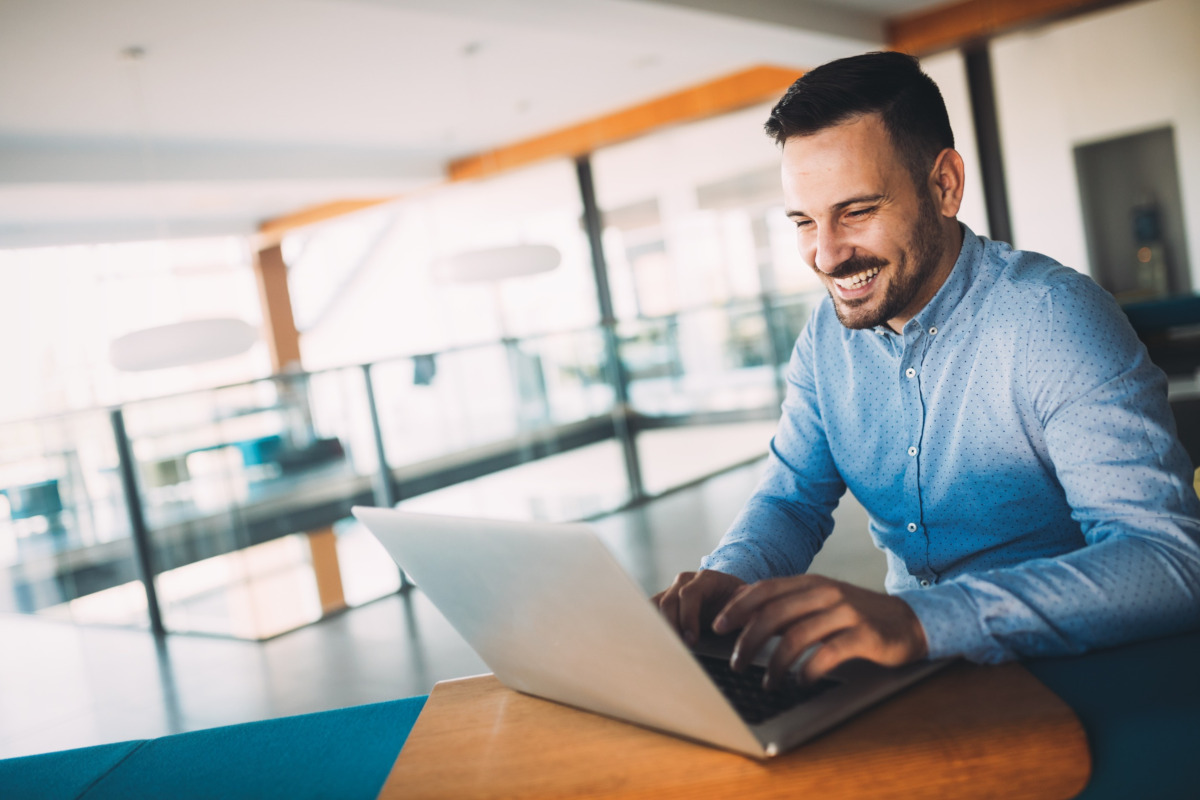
[(912, 451), (933, 331), (912, 527), (910, 372), (924, 583)]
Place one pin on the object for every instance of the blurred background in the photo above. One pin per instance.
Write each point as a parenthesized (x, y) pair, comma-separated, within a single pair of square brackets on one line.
[(262, 261)]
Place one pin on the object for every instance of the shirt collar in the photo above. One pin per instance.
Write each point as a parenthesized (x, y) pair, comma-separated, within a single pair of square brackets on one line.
[(936, 313)]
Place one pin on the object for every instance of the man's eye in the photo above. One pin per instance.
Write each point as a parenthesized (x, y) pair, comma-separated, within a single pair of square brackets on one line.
[(860, 212), (803, 223)]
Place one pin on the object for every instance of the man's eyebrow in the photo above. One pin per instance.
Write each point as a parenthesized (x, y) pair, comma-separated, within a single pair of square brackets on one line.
[(866, 198)]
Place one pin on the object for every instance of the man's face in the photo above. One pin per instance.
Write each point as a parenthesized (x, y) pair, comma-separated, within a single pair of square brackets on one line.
[(873, 237)]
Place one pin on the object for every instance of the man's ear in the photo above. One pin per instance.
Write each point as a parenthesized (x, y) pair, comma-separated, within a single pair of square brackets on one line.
[(946, 182)]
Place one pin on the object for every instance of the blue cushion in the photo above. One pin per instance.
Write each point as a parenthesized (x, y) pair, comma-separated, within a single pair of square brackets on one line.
[(1140, 707), (346, 753), (60, 776)]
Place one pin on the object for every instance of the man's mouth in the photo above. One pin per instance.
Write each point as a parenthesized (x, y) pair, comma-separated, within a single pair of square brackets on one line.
[(856, 284)]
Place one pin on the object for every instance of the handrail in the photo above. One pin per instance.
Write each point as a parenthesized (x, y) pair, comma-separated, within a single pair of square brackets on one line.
[(776, 300)]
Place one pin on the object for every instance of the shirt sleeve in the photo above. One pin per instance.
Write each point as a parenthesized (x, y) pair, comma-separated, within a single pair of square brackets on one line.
[(1110, 437), (790, 514)]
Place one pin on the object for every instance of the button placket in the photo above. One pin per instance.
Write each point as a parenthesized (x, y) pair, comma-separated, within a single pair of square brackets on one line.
[(917, 551)]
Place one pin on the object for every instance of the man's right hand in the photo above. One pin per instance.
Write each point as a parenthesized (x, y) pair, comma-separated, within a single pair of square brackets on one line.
[(694, 599)]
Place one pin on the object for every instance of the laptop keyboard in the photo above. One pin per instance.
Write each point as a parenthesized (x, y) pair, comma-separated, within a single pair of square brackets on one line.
[(744, 690)]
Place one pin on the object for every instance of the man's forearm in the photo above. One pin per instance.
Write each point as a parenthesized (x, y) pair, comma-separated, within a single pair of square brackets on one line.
[(771, 537), (1125, 588)]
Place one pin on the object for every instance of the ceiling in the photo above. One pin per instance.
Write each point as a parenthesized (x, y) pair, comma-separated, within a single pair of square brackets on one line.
[(134, 119)]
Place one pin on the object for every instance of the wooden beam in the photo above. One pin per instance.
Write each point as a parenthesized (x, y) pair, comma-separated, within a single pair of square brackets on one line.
[(948, 26), (729, 93), (718, 96), (271, 231)]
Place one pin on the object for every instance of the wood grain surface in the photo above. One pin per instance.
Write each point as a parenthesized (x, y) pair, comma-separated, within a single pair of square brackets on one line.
[(968, 731)]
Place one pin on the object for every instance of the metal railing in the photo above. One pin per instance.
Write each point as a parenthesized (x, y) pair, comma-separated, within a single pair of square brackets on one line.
[(102, 497)]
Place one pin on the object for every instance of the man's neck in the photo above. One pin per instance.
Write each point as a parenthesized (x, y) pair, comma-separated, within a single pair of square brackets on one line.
[(952, 239)]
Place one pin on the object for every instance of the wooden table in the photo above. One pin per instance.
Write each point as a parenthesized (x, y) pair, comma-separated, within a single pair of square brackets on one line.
[(968, 731)]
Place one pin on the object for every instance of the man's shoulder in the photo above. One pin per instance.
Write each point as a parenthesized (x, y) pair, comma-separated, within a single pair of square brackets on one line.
[(1027, 271), (1025, 280)]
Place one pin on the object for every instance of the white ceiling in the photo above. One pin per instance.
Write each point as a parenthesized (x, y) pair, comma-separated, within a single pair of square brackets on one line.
[(243, 110)]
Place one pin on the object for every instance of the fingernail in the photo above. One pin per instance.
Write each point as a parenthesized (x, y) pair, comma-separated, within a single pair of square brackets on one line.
[(719, 624)]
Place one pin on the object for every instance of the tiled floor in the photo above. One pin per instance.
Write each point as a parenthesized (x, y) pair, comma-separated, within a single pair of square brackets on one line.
[(63, 686)]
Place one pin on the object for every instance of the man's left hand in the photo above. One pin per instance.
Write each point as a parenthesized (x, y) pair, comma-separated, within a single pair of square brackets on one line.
[(804, 610)]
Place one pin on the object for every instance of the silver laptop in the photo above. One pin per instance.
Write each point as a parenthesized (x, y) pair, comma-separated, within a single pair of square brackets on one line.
[(553, 614)]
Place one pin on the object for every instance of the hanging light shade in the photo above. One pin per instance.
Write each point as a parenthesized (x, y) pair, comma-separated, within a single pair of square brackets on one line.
[(182, 343), (496, 263)]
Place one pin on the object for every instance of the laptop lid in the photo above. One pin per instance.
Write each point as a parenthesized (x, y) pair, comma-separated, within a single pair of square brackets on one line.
[(553, 614)]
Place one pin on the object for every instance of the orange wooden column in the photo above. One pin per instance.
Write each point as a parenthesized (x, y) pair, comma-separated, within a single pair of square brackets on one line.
[(279, 325), (283, 343)]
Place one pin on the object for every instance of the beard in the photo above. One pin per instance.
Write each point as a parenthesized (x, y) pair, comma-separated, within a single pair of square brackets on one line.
[(924, 251)]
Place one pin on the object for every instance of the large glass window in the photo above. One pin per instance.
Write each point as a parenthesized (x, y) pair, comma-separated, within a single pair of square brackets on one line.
[(63, 306), (708, 289), (370, 287)]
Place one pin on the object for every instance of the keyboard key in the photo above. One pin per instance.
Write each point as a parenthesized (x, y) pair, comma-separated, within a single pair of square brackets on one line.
[(753, 703)]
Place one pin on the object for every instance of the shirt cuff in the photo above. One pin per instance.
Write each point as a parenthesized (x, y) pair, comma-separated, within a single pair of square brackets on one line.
[(952, 625), (736, 567)]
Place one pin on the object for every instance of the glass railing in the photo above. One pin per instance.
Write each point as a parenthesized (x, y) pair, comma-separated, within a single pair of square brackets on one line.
[(237, 499), (64, 527)]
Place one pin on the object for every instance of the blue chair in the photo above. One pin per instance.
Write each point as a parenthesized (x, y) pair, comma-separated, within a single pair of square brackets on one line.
[(34, 500)]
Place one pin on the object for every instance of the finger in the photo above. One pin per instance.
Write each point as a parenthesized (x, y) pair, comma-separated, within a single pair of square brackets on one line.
[(668, 599), (799, 637), (747, 601), (776, 616), (836, 650), (668, 606), (691, 603)]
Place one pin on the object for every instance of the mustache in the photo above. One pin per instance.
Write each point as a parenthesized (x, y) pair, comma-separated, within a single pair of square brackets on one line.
[(855, 265)]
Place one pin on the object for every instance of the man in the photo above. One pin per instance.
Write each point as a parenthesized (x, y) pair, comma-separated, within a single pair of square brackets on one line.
[(991, 409)]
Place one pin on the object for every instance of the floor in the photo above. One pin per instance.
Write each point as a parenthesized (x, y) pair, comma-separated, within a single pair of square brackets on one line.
[(65, 686)]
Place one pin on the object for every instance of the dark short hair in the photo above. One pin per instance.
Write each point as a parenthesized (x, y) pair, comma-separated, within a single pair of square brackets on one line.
[(889, 84)]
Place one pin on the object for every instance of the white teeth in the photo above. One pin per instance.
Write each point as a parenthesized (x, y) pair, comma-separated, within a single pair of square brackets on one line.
[(858, 280)]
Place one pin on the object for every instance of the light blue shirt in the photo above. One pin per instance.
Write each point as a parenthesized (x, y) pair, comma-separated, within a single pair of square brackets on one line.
[(1014, 449)]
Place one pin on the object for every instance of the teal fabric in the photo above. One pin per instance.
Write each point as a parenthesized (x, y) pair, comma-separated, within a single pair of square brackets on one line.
[(1140, 707), (66, 774), (345, 754)]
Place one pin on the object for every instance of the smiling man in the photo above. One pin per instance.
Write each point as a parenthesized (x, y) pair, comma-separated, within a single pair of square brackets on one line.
[(990, 408)]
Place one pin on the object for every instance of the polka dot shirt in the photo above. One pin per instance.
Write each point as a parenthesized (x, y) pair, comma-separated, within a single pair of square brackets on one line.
[(1014, 449)]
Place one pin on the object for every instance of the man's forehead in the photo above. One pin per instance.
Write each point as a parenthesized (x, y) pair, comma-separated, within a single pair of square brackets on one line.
[(837, 164), (858, 136)]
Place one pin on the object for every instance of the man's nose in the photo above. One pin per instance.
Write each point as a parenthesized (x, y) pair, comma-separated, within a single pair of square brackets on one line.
[(832, 250)]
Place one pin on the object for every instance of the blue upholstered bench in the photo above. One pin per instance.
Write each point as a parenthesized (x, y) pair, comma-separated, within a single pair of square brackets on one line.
[(1140, 707), (346, 753)]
